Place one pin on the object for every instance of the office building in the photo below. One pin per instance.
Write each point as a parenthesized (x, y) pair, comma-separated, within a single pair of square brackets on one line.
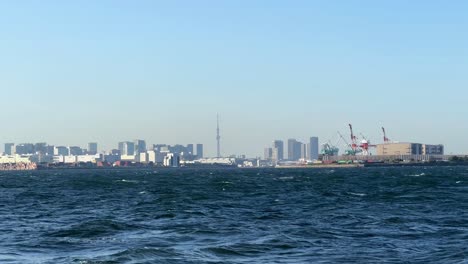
[(75, 151), (190, 149), (61, 151), (279, 146), (92, 148), (199, 153), (304, 153), (127, 148), (268, 153), (171, 160), (10, 149), (313, 148), (294, 150), (40, 148), (140, 146), (26, 148), (433, 149)]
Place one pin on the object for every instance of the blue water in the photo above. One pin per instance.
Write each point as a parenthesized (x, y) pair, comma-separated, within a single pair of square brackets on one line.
[(361, 215)]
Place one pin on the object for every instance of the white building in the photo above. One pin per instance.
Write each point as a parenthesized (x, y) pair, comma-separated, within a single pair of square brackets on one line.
[(12, 159), (143, 157), (171, 160), (127, 158), (87, 158)]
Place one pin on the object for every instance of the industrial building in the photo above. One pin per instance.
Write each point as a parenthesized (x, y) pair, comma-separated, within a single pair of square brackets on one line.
[(406, 148)]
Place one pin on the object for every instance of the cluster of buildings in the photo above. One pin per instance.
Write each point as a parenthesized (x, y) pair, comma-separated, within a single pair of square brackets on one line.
[(296, 151), (135, 151)]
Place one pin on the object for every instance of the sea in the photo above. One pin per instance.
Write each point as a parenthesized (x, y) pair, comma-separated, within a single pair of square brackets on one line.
[(230, 215)]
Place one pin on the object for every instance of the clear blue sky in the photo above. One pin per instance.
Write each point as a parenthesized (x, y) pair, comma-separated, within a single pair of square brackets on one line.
[(78, 71)]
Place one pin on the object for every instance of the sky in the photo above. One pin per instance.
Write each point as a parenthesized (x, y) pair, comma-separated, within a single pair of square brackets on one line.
[(73, 72)]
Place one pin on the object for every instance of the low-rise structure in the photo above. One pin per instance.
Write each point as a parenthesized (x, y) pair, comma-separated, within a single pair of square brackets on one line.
[(405, 148)]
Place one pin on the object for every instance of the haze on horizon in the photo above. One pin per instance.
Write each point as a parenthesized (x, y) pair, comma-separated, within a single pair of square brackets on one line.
[(73, 72)]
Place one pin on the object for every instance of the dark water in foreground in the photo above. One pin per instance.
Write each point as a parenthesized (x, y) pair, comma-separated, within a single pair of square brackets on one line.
[(366, 215)]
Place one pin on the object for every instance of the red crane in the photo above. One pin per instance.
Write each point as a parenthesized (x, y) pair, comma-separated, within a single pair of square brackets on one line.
[(385, 138), (354, 144)]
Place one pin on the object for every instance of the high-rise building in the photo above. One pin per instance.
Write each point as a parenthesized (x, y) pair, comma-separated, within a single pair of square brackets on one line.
[(218, 139), (75, 151), (61, 151), (199, 151), (313, 151), (40, 148), (268, 153), (92, 148), (190, 149), (304, 154), (50, 150), (294, 149), (171, 160), (279, 146), (127, 148), (10, 149), (26, 148), (140, 146)]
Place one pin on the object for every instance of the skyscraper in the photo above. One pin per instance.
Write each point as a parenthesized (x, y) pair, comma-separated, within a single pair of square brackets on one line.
[(10, 148), (279, 146), (294, 149), (268, 153), (140, 146), (313, 148), (304, 154), (190, 149), (199, 151), (127, 148), (92, 148), (218, 138)]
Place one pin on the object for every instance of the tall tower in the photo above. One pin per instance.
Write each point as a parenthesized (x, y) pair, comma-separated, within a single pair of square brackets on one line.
[(218, 137)]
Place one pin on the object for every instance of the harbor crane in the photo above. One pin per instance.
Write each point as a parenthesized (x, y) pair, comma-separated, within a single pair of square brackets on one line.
[(385, 138)]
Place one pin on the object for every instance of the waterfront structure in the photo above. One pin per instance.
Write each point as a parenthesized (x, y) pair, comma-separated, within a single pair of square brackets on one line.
[(433, 149), (12, 159), (402, 148), (199, 153), (405, 148), (278, 149), (92, 148)]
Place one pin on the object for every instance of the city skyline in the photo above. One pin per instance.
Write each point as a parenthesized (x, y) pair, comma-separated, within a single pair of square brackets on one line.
[(111, 70)]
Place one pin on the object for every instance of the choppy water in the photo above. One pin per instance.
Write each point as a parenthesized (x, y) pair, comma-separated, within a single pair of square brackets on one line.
[(365, 215)]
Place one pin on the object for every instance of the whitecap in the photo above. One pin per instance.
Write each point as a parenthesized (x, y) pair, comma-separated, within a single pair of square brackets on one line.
[(357, 194), (417, 175), (130, 181)]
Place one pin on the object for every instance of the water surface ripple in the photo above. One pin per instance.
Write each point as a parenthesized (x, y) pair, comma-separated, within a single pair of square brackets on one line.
[(362, 215)]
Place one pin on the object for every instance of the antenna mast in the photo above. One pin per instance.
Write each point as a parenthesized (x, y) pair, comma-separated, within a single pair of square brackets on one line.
[(218, 137)]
